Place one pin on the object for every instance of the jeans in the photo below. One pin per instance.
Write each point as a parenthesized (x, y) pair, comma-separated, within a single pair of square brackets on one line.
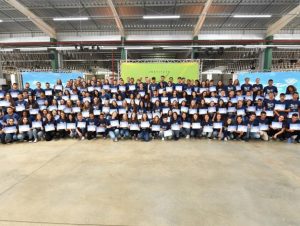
[(176, 134), (10, 137), (37, 134), (124, 133), (207, 135), (144, 135), (216, 134), (195, 132), (25, 135), (113, 134), (185, 132)]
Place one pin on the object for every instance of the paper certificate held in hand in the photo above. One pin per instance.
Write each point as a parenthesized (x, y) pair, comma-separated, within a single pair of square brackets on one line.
[(97, 112), (155, 128), (134, 127), (20, 108), (100, 129), (184, 109), (37, 124), (169, 89), (263, 127), (218, 125), (124, 124), (168, 133), (132, 87), (71, 126), (122, 88), (85, 114), (203, 111), (49, 127), (192, 111), (207, 129), (240, 112), (270, 113), (242, 128), (58, 87), (91, 128), (10, 129), (61, 126), (114, 123), (81, 124), (231, 128), (277, 125), (295, 126), (4, 103), (76, 109), (24, 128), (145, 124), (178, 88), (222, 110), (254, 129), (175, 127), (34, 111), (212, 109), (196, 125), (186, 125), (279, 107)]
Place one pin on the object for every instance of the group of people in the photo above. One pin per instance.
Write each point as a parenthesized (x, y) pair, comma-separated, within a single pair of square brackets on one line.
[(149, 109)]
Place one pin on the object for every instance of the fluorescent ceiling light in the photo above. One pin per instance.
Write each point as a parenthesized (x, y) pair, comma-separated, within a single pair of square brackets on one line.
[(69, 18), (251, 16), (139, 47), (162, 17), (1, 21), (108, 47)]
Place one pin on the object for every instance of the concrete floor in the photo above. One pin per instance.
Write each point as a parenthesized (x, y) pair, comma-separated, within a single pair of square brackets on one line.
[(157, 184)]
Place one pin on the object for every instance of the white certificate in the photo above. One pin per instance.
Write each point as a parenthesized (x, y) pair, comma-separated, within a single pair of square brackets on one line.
[(231, 128), (145, 124), (203, 90), (34, 111), (43, 107), (237, 88), (218, 125), (132, 87), (295, 126), (176, 110), (85, 114), (255, 129), (263, 127), (207, 100), (291, 114), (270, 113), (111, 111), (212, 109), (122, 88), (156, 114), (164, 99), (139, 116), (288, 96), (212, 89), (156, 128), (173, 100), (165, 110), (49, 127), (88, 99), (119, 103), (74, 97), (181, 100), (168, 133), (242, 128), (134, 127), (196, 125), (58, 87), (24, 128), (37, 124), (137, 101), (233, 100), (251, 109), (113, 90), (169, 89), (52, 107), (203, 111), (149, 115), (184, 109), (160, 91), (1, 95), (10, 129), (178, 88), (71, 125), (214, 99), (14, 94), (68, 110), (90, 88), (91, 128), (122, 111), (192, 111), (48, 92), (277, 125), (100, 129), (65, 98), (20, 108), (40, 102), (175, 127), (279, 107), (186, 125), (81, 124), (4, 103), (240, 112), (154, 99), (222, 110), (61, 126), (207, 129), (258, 112), (106, 87), (114, 123), (76, 109), (124, 124), (61, 107), (105, 109)]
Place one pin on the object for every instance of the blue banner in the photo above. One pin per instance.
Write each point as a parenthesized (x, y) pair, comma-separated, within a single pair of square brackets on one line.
[(33, 77), (281, 79)]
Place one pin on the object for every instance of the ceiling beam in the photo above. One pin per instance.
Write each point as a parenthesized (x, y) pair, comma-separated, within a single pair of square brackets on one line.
[(116, 17), (33, 18), (283, 21), (202, 18)]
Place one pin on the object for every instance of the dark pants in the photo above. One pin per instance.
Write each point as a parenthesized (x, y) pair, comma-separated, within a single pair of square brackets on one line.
[(91, 135), (50, 135)]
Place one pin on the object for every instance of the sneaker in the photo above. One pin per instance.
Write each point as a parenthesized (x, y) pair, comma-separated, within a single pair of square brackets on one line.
[(187, 137), (225, 139), (116, 140), (35, 140), (30, 141), (290, 140), (162, 138), (82, 138)]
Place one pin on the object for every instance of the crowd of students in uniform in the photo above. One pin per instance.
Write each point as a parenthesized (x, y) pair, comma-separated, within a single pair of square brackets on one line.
[(164, 109)]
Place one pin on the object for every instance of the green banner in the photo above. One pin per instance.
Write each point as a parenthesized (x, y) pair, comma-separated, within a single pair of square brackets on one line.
[(188, 70)]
